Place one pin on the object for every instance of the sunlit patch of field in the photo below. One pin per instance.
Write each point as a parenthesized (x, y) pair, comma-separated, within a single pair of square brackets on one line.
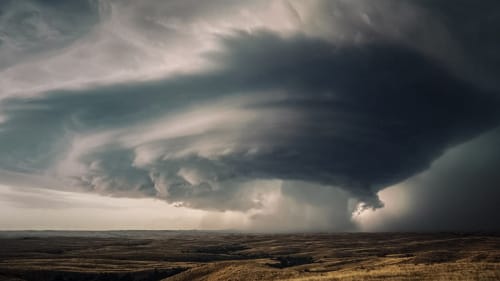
[(183, 256), (389, 270)]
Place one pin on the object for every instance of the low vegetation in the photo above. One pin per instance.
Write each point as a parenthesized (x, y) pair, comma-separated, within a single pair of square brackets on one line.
[(182, 256)]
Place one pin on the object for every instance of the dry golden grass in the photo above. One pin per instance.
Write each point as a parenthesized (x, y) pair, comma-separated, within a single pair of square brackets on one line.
[(191, 256)]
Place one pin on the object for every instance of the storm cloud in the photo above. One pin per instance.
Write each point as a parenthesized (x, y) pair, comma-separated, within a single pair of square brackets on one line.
[(28, 28), (459, 192), (339, 104)]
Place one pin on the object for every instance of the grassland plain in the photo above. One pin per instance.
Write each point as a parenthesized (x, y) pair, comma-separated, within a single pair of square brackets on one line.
[(192, 255)]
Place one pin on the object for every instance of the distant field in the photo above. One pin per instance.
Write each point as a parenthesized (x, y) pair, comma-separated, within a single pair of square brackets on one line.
[(179, 256)]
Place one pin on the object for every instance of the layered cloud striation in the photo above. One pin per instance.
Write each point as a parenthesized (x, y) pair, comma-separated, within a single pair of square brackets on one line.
[(168, 100)]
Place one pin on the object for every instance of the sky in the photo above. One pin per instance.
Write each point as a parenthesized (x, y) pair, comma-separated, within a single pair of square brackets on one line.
[(267, 116)]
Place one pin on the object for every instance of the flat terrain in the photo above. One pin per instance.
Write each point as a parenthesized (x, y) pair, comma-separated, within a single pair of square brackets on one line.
[(190, 255)]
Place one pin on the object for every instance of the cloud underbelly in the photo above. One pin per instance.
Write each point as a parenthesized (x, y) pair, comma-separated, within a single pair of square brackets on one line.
[(295, 108)]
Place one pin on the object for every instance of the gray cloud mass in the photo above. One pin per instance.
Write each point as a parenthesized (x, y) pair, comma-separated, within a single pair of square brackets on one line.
[(356, 105), (343, 116), (30, 27)]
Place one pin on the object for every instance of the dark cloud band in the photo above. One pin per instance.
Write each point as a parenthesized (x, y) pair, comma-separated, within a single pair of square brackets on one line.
[(370, 116), (320, 102)]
